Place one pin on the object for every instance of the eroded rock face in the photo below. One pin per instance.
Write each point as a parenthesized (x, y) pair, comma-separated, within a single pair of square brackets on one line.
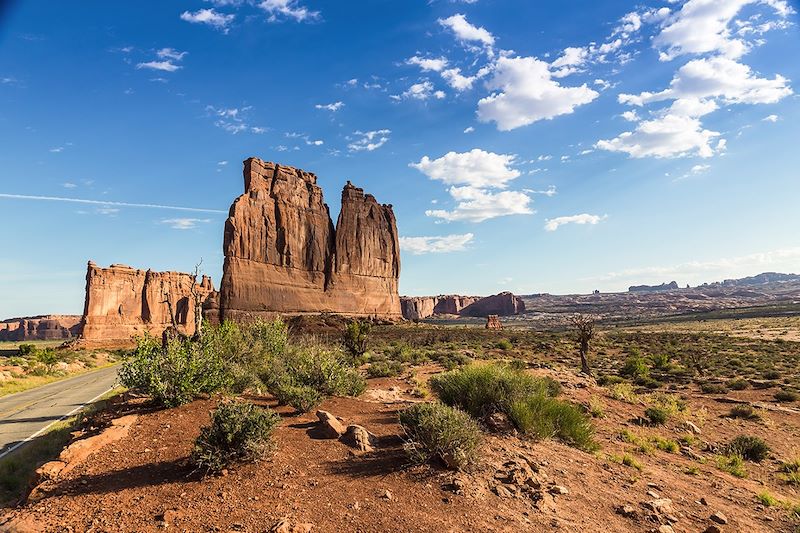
[(503, 304), (123, 302), (419, 307), (39, 328), (283, 254)]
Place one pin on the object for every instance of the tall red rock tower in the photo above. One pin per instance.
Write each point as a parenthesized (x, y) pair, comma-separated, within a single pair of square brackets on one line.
[(283, 255)]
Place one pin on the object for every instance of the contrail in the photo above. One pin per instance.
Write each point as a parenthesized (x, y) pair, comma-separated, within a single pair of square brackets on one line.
[(101, 202)]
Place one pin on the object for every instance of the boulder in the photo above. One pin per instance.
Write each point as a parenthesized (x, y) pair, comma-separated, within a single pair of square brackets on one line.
[(329, 426), (358, 437), (284, 256)]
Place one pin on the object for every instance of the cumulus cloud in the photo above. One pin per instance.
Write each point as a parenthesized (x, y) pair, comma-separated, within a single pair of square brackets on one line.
[(436, 245), (476, 168), (770, 118), (369, 140), (717, 77), (466, 32), (704, 26), (233, 119), (184, 223), (209, 16), (292, 9), (527, 93), (471, 176), (422, 91), (333, 107), (434, 64), (552, 224)]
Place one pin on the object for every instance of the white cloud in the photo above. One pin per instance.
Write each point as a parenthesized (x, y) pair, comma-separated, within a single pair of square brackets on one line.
[(571, 61), (470, 175), (184, 223), (436, 245), (219, 21), (57, 149), (630, 116), (232, 119), (434, 64), (717, 77), (528, 94), (369, 140), (107, 211), (552, 224), (704, 26), (466, 32), (288, 8), (476, 168), (469, 129), (171, 53), (68, 185), (770, 118), (333, 107), (549, 192), (422, 91), (166, 66), (477, 205)]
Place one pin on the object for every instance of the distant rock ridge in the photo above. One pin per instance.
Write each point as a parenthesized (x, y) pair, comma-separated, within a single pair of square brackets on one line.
[(40, 328), (420, 307), (284, 255), (653, 288), (124, 302)]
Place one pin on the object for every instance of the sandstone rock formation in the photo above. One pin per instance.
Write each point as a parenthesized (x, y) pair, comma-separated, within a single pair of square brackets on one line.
[(283, 254), (493, 322), (40, 328), (503, 304), (123, 302), (419, 307), (671, 286)]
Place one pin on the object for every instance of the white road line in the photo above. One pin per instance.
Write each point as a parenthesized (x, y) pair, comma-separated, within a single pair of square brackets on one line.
[(48, 426)]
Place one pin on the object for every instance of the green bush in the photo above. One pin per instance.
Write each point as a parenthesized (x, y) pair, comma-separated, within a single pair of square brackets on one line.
[(26, 349), (528, 401), (503, 344), (384, 369), (302, 397), (661, 361), (239, 431), (786, 396), (356, 336), (790, 472), (746, 412), (738, 384), (46, 357), (439, 432), (749, 447), (713, 388), (175, 374), (657, 415), (635, 367), (733, 464)]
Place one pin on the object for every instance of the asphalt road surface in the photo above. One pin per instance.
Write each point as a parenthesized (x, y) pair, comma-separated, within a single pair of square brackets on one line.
[(25, 415)]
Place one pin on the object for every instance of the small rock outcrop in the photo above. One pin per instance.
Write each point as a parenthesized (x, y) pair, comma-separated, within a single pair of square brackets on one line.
[(493, 322), (40, 328), (123, 302), (283, 254), (503, 304)]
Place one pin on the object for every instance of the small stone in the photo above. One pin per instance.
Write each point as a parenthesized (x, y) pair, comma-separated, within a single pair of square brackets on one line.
[(558, 489), (719, 518), (653, 494), (628, 511), (671, 518), (329, 425), (665, 529), (387, 495), (358, 437), (713, 528), (692, 428), (661, 505), (703, 501)]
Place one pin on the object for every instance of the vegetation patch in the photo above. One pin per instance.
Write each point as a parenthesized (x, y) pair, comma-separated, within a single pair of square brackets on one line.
[(438, 432)]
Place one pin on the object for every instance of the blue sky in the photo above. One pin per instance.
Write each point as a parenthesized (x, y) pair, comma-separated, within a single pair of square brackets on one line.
[(549, 146)]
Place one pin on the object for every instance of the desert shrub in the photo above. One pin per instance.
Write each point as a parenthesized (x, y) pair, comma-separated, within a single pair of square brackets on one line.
[(176, 373), (746, 412), (543, 417), (738, 384), (484, 389), (384, 369), (635, 367), (790, 472), (661, 361), (503, 344), (596, 408), (713, 388), (239, 431), (528, 401), (301, 397), (26, 349), (656, 415), (767, 499), (325, 370), (356, 337), (749, 447), (628, 460), (46, 357), (623, 392), (607, 380), (732, 464), (518, 364), (437, 431), (771, 374), (786, 396), (666, 445)]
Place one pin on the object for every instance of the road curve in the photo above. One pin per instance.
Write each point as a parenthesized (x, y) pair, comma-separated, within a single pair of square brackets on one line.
[(26, 414)]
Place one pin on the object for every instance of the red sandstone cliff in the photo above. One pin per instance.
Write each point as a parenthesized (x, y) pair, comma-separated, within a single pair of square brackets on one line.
[(419, 307), (44, 327), (283, 255), (123, 302)]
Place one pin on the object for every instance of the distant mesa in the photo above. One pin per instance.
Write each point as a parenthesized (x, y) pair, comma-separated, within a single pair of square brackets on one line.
[(671, 286), (123, 302), (40, 328), (762, 279), (283, 254), (421, 307)]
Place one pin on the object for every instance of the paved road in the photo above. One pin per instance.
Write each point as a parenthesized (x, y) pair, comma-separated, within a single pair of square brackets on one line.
[(26, 414)]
